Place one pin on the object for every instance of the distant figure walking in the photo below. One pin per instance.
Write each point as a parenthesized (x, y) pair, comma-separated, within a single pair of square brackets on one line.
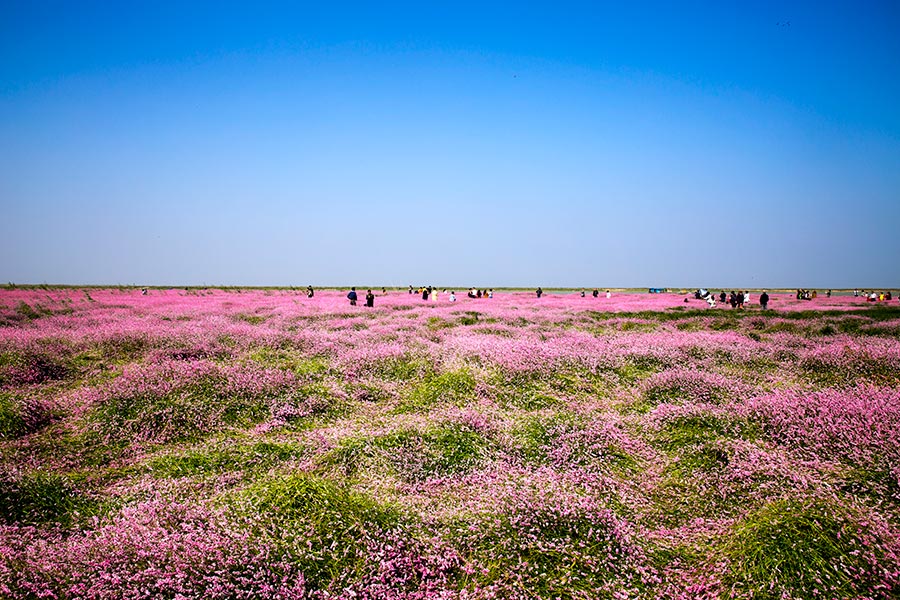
[(352, 296), (539, 292), (764, 300), (410, 290), (370, 299), (310, 292)]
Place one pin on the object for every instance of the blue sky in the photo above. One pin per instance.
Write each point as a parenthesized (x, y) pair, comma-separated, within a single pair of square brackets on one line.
[(563, 144)]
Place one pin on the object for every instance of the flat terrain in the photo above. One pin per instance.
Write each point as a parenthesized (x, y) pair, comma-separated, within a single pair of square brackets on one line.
[(260, 444)]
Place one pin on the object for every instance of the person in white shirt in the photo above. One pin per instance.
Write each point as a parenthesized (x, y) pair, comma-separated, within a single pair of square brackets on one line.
[(452, 297), (608, 295)]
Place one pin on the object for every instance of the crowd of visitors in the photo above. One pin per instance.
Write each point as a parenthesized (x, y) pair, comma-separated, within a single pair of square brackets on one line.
[(738, 300)]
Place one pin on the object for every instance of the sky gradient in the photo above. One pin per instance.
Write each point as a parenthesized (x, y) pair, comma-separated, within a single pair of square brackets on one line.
[(574, 144)]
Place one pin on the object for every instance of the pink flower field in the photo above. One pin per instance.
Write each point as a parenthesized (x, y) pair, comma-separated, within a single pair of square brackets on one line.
[(256, 444)]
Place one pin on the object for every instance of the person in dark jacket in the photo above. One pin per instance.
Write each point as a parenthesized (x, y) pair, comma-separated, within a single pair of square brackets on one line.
[(370, 299), (595, 293), (352, 296), (764, 300), (310, 292), (425, 293), (539, 292), (723, 297)]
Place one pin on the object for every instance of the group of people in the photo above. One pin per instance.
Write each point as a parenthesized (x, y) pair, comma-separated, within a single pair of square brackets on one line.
[(476, 293), (596, 293), (878, 296), (370, 297), (737, 299)]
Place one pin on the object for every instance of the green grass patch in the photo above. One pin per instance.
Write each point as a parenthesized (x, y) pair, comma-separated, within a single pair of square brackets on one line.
[(187, 413), (413, 455), (314, 523), (806, 549), (401, 368), (39, 497), (551, 552), (471, 317), (12, 419), (637, 367), (700, 428), (224, 458), (567, 440), (453, 387), (437, 323), (251, 319), (315, 367)]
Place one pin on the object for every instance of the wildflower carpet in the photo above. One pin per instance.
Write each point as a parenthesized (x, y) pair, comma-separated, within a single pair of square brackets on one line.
[(262, 444)]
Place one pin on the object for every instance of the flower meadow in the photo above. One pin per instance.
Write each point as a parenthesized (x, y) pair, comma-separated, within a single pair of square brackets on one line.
[(260, 444)]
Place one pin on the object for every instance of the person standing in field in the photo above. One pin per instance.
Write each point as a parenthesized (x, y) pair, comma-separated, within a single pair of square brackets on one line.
[(490, 293), (370, 299), (539, 292), (309, 291), (608, 295), (452, 296), (425, 293), (764, 300), (352, 296), (582, 292), (595, 293)]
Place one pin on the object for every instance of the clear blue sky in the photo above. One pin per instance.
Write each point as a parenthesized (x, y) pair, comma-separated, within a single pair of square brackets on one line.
[(578, 144)]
